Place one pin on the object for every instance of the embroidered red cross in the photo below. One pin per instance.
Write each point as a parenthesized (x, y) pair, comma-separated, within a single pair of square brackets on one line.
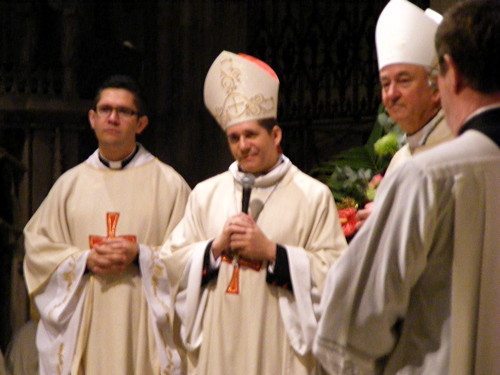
[(111, 223)]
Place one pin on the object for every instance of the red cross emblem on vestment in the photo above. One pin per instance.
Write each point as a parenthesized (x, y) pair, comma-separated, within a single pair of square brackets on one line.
[(111, 223)]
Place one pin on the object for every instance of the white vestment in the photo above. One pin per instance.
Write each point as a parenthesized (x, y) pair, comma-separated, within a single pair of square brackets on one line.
[(432, 134), (264, 329), (116, 324), (407, 296)]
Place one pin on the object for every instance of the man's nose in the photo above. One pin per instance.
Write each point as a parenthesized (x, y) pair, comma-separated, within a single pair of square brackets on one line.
[(114, 116), (392, 90), (243, 141)]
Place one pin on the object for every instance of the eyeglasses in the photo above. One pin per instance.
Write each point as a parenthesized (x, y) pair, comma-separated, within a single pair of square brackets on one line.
[(123, 112)]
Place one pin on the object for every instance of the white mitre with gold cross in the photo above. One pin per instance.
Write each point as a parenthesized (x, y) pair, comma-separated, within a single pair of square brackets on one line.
[(240, 88), (405, 35)]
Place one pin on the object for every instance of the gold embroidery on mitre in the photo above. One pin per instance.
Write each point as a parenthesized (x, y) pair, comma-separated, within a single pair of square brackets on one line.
[(237, 104)]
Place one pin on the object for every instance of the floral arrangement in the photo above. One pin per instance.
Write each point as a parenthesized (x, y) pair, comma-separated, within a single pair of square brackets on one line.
[(354, 175)]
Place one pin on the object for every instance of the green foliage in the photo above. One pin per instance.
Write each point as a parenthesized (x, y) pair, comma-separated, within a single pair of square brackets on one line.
[(387, 145), (370, 193), (349, 173), (346, 182)]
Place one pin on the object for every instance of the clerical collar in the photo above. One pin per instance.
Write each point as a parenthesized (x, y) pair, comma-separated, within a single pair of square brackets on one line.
[(278, 162), (486, 122), (420, 137), (120, 164), (272, 177)]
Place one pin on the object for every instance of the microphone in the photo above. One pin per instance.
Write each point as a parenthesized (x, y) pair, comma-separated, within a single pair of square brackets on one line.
[(247, 183)]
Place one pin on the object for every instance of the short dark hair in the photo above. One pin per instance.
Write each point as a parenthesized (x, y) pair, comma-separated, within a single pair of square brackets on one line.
[(127, 83), (470, 34), (268, 123)]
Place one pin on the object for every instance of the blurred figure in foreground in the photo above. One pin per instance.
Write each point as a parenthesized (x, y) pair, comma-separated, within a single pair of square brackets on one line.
[(417, 290)]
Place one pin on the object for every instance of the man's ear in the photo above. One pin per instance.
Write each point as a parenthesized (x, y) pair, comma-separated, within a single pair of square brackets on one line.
[(432, 81), (436, 95), (277, 135), (456, 78), (143, 123), (92, 114)]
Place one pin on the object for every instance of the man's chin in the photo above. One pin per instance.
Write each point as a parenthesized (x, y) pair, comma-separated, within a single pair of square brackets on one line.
[(247, 168), (398, 116)]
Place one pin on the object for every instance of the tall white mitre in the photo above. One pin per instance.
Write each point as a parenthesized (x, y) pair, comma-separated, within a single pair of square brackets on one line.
[(240, 88), (405, 35)]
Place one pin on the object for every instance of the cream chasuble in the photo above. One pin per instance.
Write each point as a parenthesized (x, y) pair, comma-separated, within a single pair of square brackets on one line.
[(104, 324), (264, 329)]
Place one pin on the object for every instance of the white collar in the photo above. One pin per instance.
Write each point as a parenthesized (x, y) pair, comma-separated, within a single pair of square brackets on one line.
[(143, 156), (420, 137), (270, 178)]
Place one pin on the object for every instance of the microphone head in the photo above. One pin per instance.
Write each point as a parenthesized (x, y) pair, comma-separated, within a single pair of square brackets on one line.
[(248, 181)]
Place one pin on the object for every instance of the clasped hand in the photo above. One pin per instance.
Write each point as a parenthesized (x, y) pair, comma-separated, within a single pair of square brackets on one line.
[(112, 256), (243, 236)]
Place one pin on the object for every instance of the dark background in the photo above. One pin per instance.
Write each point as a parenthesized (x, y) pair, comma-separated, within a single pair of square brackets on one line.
[(54, 54)]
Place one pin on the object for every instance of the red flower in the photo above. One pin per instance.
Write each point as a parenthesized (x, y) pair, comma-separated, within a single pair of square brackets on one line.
[(348, 220), (376, 180)]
